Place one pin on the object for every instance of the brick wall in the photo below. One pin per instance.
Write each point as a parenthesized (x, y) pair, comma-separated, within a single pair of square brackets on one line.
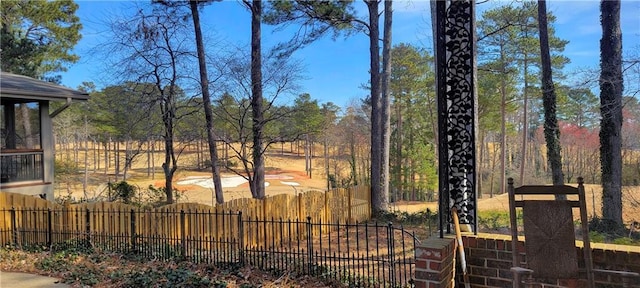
[(489, 261), (435, 261)]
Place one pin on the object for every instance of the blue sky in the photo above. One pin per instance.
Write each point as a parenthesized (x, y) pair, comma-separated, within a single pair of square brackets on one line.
[(335, 70)]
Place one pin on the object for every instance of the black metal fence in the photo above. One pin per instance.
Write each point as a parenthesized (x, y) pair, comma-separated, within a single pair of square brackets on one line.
[(362, 255)]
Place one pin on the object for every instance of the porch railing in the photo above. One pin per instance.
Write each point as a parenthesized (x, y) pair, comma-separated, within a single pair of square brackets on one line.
[(21, 165)]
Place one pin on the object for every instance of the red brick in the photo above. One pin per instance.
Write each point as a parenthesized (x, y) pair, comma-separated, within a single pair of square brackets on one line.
[(505, 255), (498, 282), (477, 280), (491, 244), (420, 284), (572, 283), (435, 265), (472, 242), (421, 264), (484, 253), (501, 245), (482, 243), (500, 264), (598, 256), (436, 249), (489, 272)]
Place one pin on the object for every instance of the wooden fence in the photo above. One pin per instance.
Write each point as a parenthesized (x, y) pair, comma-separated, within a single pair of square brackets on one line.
[(181, 220)]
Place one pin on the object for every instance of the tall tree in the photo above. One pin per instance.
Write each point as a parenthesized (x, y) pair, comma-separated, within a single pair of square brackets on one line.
[(413, 122), (37, 37), (386, 106), (500, 47), (206, 102), (339, 14), (378, 203), (257, 187), (234, 112), (611, 88), (551, 130)]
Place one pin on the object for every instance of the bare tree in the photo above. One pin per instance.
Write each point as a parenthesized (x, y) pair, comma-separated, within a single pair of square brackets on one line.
[(234, 109), (152, 48)]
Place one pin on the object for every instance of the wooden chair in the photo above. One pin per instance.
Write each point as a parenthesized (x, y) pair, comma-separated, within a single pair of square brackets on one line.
[(550, 247)]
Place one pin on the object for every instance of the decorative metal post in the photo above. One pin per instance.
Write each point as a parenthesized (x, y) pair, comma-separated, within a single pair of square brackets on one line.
[(455, 69)]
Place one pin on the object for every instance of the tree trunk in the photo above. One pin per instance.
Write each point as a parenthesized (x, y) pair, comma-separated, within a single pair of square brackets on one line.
[(551, 130), (26, 125), (503, 124), (611, 88), (523, 152), (206, 101), (386, 105), (377, 197), (258, 189), (399, 138), (149, 155)]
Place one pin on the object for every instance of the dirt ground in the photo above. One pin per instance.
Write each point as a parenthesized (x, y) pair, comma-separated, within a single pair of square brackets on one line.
[(286, 174)]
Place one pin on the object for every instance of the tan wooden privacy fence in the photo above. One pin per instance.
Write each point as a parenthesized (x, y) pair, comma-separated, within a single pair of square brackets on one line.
[(234, 222)]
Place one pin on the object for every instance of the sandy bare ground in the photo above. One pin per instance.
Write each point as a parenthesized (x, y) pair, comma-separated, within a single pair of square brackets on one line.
[(285, 174)]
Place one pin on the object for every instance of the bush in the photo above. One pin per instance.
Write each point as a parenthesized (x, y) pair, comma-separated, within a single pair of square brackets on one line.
[(180, 276), (607, 227), (122, 191), (495, 220)]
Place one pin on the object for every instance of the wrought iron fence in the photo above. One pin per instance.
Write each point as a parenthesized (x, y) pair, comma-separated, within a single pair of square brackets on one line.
[(362, 255)]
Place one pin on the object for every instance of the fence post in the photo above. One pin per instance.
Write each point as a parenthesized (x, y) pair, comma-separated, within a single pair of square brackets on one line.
[(390, 248), (87, 225), (133, 230), (349, 205), (49, 228), (309, 245), (183, 234), (240, 237), (326, 207), (300, 212), (14, 227)]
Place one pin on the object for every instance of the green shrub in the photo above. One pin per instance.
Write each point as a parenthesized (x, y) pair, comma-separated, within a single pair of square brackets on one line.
[(122, 191), (607, 227), (494, 219), (168, 277), (595, 236), (626, 241)]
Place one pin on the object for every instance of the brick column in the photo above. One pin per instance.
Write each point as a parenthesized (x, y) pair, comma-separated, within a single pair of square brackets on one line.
[(435, 261)]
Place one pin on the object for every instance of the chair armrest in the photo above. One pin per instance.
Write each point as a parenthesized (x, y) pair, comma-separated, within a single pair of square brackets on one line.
[(520, 270), (625, 274)]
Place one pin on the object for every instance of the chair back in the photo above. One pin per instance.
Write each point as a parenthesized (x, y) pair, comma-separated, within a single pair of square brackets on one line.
[(550, 247)]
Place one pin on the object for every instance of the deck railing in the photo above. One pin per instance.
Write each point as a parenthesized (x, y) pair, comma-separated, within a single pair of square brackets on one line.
[(19, 166)]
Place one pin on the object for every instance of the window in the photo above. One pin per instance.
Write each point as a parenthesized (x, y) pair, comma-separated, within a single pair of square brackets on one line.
[(21, 150)]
